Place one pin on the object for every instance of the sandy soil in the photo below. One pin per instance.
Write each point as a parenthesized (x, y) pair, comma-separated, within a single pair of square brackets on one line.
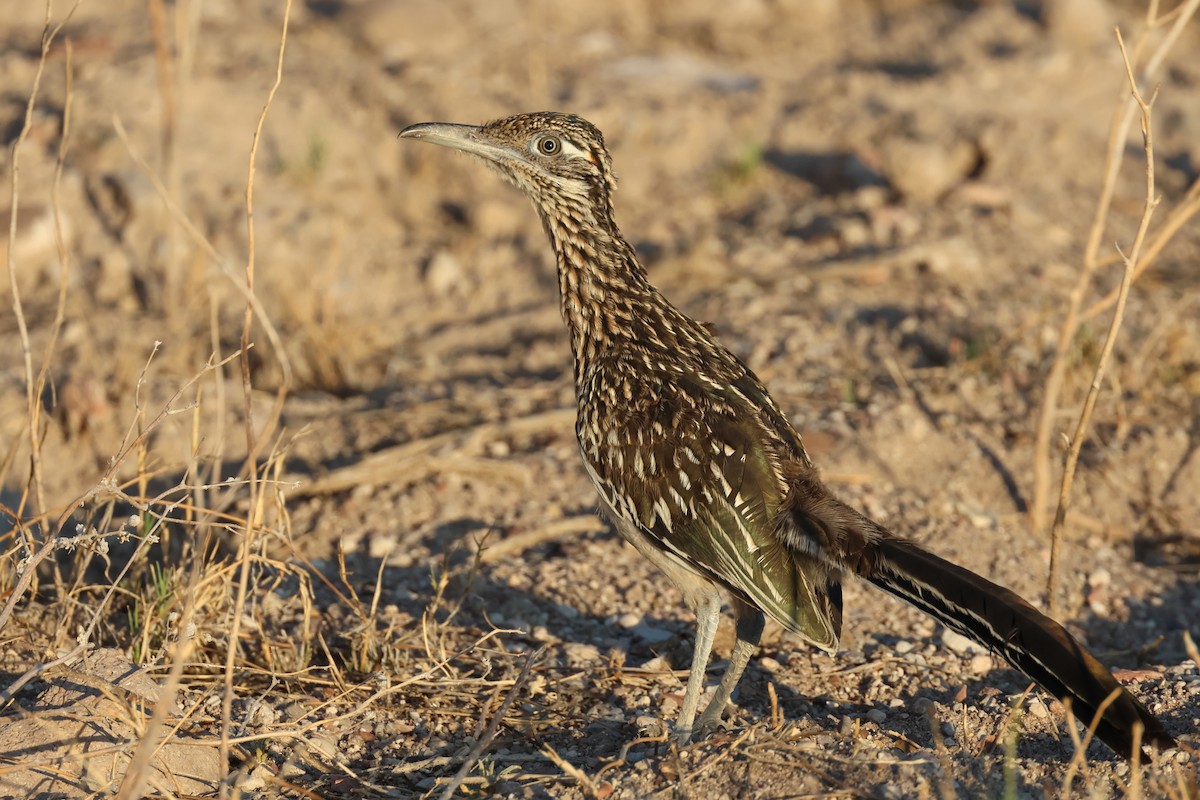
[(883, 207)]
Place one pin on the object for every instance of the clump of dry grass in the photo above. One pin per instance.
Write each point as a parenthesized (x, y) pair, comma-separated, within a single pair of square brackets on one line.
[(192, 568), (198, 577)]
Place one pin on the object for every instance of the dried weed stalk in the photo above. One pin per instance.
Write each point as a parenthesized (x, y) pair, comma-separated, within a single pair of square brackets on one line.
[(1134, 264), (484, 736), (34, 387), (1129, 265), (254, 440)]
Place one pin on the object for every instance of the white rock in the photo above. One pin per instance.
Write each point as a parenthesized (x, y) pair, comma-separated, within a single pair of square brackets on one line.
[(955, 641)]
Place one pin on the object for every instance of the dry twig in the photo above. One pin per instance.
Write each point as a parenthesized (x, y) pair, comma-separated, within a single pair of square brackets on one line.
[(253, 441), (1122, 119), (29, 566), (1114, 328), (33, 386), (493, 726)]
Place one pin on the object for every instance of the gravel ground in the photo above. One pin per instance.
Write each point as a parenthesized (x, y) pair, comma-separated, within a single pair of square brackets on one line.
[(882, 207)]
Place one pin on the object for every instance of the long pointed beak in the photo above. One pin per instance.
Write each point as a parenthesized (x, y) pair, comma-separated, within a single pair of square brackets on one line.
[(467, 138)]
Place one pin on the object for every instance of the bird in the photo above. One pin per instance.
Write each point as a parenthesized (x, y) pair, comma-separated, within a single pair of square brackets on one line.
[(698, 468)]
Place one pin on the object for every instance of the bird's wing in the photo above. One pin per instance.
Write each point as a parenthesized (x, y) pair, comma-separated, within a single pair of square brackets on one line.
[(696, 468)]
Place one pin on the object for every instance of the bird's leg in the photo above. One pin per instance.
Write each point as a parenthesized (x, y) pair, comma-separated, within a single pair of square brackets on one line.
[(708, 616), (749, 631)]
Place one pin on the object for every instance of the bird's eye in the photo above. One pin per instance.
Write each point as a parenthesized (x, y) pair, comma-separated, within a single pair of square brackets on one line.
[(548, 145)]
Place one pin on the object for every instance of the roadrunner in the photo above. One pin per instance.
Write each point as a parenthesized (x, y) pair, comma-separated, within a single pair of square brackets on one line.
[(699, 470)]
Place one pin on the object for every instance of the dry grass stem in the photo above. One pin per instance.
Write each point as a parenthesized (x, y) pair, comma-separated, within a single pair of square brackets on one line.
[(484, 737), (595, 791), (32, 386), (202, 241), (1129, 263), (1122, 120), (254, 440), (1183, 212), (106, 483)]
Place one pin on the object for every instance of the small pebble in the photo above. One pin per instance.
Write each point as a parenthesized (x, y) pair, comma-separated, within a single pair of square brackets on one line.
[(258, 779), (657, 664), (980, 519), (877, 715), (445, 274), (903, 646), (924, 170), (648, 725), (960, 644), (981, 664), (1038, 709), (769, 664), (323, 746), (650, 634), (581, 653)]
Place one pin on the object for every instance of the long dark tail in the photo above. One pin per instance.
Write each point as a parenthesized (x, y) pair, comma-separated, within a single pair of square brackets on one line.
[(813, 521), (1029, 640)]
